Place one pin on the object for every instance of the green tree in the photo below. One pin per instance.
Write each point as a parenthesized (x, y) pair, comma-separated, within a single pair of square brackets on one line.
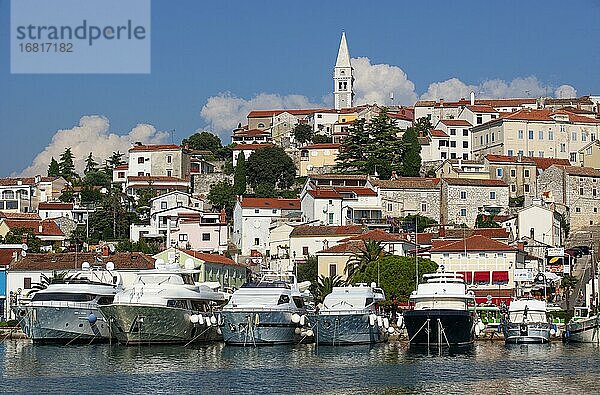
[(371, 147), (66, 165), (203, 141), (486, 221), (422, 125), (24, 235), (91, 195), (271, 166), (112, 219), (321, 139), (396, 274), (411, 154), (239, 176), (325, 286), (568, 284), (90, 164), (423, 222), (222, 196), (53, 169), (309, 270), (116, 159), (139, 246), (96, 178), (265, 190), (370, 252), (303, 133)]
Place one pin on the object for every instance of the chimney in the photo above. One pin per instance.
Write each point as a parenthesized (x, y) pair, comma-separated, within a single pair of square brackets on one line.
[(520, 246), (442, 232), (37, 179), (394, 175), (472, 98), (222, 216), (520, 157), (441, 102), (40, 228)]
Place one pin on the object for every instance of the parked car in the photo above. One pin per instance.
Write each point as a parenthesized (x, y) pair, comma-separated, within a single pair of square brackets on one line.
[(574, 252), (585, 250)]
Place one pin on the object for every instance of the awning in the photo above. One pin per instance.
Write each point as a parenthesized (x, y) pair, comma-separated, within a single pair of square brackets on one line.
[(481, 277), (500, 276), (468, 276), (495, 300)]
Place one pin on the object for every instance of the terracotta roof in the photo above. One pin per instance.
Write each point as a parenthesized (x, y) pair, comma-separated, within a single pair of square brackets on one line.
[(546, 115), (540, 163), (472, 243), (475, 182), (349, 247), (322, 146), (327, 230), (575, 110), (270, 113), (425, 103), (377, 235), (66, 261), (506, 102), (492, 233), (437, 133), (360, 191), (544, 163), (248, 147), (157, 147), (5, 182), (251, 132), (423, 140), (332, 176), (284, 204), (569, 101), (121, 167), (408, 183), (405, 117), (19, 216), (482, 108), (156, 178), (324, 193), (455, 122), (49, 227), (6, 255), (55, 206), (580, 171), (211, 258)]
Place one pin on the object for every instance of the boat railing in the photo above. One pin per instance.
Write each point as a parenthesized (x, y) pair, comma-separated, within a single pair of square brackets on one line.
[(345, 311), (62, 303)]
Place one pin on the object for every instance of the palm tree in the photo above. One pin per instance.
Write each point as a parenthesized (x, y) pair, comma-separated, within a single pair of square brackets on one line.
[(370, 252), (325, 286), (45, 281)]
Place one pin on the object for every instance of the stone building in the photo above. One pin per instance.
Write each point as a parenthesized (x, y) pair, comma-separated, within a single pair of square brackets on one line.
[(409, 196), (574, 191), (463, 199)]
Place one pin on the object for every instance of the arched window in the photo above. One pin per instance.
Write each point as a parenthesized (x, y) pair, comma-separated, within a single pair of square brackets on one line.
[(8, 195)]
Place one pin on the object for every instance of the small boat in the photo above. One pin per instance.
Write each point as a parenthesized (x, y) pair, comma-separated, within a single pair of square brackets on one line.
[(583, 327), (67, 310), (269, 311), (349, 316), (527, 322), (440, 316), (165, 305)]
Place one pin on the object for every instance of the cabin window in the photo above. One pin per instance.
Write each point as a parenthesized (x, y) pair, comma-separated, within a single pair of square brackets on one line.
[(283, 299), (368, 302), (298, 301), (199, 306), (62, 296), (178, 304), (103, 300)]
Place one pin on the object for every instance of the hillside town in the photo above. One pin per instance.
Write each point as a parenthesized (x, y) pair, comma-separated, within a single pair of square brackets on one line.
[(503, 191)]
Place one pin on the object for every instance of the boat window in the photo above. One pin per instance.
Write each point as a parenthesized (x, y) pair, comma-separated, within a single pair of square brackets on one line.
[(199, 306), (62, 296), (368, 302), (105, 300), (283, 299), (187, 279), (178, 304), (298, 301)]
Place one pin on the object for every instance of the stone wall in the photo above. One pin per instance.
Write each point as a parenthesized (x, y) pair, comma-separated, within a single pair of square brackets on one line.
[(403, 202), (477, 198), (201, 183)]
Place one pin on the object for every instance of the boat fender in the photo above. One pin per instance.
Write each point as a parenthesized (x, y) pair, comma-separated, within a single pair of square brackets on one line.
[(386, 322), (552, 332), (220, 319), (302, 320), (310, 333), (295, 318), (208, 321), (92, 318), (213, 320), (372, 319), (194, 319), (477, 330), (400, 321), (256, 319), (297, 331), (480, 325), (379, 321), (391, 330), (219, 331), (200, 320)]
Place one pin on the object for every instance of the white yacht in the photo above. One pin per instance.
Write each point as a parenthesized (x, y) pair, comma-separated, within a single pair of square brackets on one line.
[(66, 311), (527, 322), (583, 327), (440, 314), (165, 305), (349, 315), (269, 311)]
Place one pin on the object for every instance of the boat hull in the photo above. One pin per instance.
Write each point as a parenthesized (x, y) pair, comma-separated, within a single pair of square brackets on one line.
[(139, 324), (458, 327), (584, 330), (346, 329), (531, 333), (242, 328), (62, 324)]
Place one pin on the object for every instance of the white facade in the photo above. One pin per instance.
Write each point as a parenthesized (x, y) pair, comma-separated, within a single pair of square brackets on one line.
[(342, 77), (540, 224), (459, 137)]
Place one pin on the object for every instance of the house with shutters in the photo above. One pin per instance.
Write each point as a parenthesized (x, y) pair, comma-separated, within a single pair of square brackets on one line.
[(404, 196)]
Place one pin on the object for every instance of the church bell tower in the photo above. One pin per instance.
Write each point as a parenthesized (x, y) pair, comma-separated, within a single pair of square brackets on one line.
[(342, 77)]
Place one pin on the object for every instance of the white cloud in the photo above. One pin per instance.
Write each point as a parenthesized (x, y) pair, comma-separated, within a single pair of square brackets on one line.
[(224, 111), (374, 83), (565, 92), (92, 135), (451, 89)]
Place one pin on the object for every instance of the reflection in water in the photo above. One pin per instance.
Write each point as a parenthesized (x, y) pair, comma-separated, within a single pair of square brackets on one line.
[(216, 368)]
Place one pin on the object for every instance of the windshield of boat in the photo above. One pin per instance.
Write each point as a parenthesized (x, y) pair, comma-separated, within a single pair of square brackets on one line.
[(63, 297), (531, 316), (166, 278)]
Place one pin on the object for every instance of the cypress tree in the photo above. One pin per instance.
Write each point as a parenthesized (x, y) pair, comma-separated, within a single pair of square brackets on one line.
[(411, 155), (53, 169), (239, 177)]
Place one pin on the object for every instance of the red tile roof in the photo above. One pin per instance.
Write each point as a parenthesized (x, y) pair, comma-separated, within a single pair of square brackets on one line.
[(121, 167), (546, 115), (377, 235), (334, 176), (55, 206), (284, 204), (70, 260), (19, 216), (472, 243), (540, 163), (349, 247), (455, 122), (327, 230), (270, 113), (249, 147), (5, 182), (156, 178), (437, 133), (157, 147), (322, 146), (492, 233), (211, 258), (251, 132), (49, 227), (580, 171), (482, 109), (408, 183), (6, 255), (324, 193), (359, 191), (474, 182)]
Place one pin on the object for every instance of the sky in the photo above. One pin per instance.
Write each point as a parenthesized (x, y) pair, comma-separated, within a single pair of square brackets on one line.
[(212, 62)]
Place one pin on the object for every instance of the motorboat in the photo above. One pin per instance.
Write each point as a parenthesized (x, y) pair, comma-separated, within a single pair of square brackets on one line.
[(440, 314), (165, 305), (583, 327), (269, 311), (527, 322), (66, 309), (349, 315)]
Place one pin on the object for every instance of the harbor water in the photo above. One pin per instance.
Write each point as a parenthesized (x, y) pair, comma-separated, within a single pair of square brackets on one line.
[(489, 367)]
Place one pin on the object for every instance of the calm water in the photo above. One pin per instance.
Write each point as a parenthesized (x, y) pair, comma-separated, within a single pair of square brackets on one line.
[(387, 368)]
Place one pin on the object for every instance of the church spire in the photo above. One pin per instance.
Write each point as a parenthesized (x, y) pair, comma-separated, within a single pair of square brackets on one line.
[(342, 77)]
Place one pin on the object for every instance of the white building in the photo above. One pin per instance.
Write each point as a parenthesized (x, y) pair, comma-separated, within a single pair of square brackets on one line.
[(247, 149), (459, 138), (342, 77)]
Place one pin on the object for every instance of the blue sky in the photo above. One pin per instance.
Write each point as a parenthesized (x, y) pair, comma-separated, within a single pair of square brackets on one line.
[(201, 49)]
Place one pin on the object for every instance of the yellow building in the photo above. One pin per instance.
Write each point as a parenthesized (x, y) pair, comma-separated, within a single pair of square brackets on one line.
[(589, 156), (318, 158)]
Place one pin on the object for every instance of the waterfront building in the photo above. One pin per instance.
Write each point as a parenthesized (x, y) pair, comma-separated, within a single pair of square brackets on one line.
[(307, 240)]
